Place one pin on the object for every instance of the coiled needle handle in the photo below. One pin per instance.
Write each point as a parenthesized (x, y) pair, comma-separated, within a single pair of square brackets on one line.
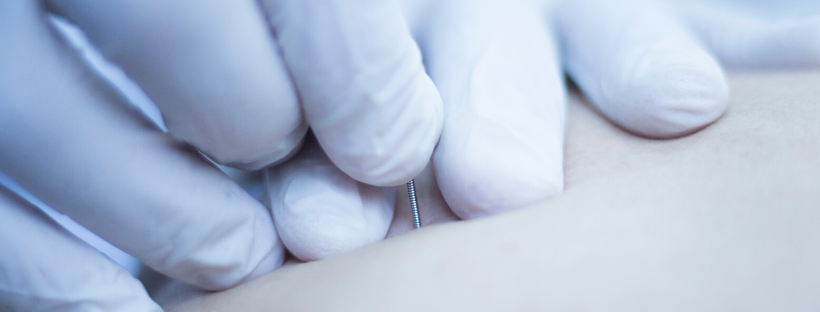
[(414, 204)]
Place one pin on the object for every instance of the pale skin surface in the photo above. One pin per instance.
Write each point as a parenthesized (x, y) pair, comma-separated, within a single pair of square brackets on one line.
[(722, 220)]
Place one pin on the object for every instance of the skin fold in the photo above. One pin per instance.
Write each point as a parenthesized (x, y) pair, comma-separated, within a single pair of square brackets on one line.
[(723, 220)]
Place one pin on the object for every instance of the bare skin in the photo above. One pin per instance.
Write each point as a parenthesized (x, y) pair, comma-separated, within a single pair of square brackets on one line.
[(722, 220)]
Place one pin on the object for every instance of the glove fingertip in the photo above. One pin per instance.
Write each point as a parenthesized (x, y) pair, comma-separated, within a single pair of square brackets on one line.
[(478, 181), (671, 101), (319, 211)]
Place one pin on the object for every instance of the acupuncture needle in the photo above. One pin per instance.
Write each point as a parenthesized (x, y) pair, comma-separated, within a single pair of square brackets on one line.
[(414, 204)]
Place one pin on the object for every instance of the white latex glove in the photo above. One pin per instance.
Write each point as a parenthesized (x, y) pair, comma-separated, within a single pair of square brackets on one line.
[(495, 64), (651, 67), (216, 73)]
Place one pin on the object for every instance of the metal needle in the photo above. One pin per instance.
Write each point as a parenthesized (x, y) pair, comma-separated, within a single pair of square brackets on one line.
[(414, 205)]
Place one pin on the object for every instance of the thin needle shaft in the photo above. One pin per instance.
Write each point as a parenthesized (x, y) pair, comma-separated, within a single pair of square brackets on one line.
[(414, 205)]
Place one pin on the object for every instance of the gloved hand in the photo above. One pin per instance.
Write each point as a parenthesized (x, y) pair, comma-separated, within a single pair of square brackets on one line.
[(220, 73), (652, 67), (494, 64)]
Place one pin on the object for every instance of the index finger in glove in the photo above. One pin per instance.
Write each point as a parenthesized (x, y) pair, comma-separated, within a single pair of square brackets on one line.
[(364, 90)]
